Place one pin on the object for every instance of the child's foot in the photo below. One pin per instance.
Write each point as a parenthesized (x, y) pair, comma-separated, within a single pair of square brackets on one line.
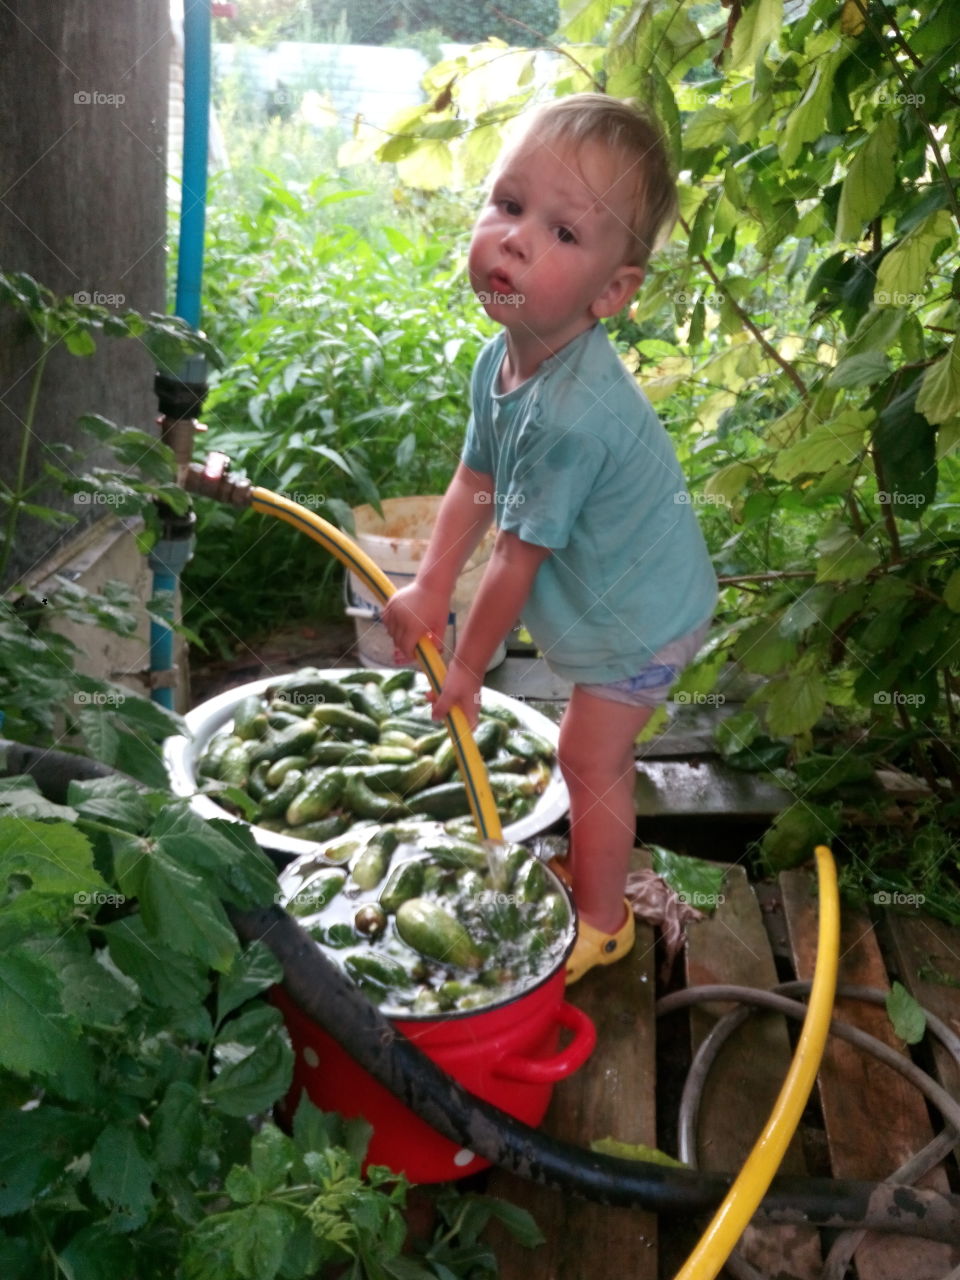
[(593, 947)]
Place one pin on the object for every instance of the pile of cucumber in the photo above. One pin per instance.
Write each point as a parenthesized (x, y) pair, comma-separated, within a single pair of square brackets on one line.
[(316, 754), (428, 920)]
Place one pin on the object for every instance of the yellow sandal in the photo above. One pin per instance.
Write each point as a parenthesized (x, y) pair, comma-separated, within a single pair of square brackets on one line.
[(593, 947)]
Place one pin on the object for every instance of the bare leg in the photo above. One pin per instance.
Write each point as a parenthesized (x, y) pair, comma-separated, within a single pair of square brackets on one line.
[(596, 759)]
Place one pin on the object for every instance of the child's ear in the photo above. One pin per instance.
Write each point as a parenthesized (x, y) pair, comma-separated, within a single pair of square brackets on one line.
[(624, 283)]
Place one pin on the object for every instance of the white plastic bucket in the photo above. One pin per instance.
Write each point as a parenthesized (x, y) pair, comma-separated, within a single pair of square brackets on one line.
[(396, 544)]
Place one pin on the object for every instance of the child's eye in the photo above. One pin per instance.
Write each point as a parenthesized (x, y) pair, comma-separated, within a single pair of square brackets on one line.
[(509, 206), (566, 236)]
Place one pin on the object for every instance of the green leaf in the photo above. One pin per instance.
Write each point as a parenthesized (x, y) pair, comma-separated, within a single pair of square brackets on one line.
[(252, 971), (908, 1019), (256, 1080), (951, 592), (177, 1126), (805, 122), (939, 395), (762, 649), (120, 1175), (79, 342), (634, 1151), (795, 833), (34, 1035), (97, 1253), (113, 799), (860, 371), (692, 880), (258, 1238), (54, 856), (759, 24), (429, 165), (844, 557), (902, 275), (517, 1221), (92, 994), (272, 1156), (795, 703), (243, 1186), (869, 179), (906, 447), (167, 979), (839, 440), (224, 852), (35, 1148), (179, 909), (20, 798)]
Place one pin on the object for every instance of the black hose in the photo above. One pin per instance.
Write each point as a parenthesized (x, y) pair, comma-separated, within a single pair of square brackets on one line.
[(329, 998)]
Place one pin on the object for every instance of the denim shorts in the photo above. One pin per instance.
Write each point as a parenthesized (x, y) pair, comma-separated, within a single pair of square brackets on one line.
[(652, 683)]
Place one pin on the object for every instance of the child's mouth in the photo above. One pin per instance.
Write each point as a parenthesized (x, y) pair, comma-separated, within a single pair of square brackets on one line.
[(500, 283)]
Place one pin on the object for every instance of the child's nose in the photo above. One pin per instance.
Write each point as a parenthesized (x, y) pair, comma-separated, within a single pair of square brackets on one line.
[(515, 239)]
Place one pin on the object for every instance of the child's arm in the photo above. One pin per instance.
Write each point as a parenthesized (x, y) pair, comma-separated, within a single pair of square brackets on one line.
[(463, 518), (503, 591)]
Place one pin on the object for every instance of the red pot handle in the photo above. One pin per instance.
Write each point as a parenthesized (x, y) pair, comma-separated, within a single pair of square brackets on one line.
[(549, 1070)]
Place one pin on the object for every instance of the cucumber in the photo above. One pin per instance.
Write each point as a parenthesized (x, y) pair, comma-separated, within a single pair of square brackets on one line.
[(342, 852), (249, 718), (281, 718), (397, 738), (369, 701), (316, 688), (435, 933), (372, 865), (416, 776), (449, 800), (294, 740), (445, 760), (429, 742), (387, 753), (417, 729), (531, 882), (257, 786), (504, 762), (212, 758), (457, 854), (504, 714), (383, 971), (315, 800), (235, 765), (362, 677), (276, 773), (314, 894), (406, 881), (323, 752), (380, 778), (323, 829), (344, 717), (507, 786), (489, 736), (402, 679), (523, 742), (291, 705), (359, 799), (274, 803)]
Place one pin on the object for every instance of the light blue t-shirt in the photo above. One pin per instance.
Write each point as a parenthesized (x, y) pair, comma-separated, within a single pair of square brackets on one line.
[(582, 465)]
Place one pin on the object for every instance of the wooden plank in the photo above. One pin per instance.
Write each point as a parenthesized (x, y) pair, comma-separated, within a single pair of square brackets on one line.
[(732, 946), (612, 1095), (874, 1119), (926, 954)]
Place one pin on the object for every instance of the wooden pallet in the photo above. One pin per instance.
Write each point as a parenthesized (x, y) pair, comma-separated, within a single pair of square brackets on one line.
[(869, 1119)]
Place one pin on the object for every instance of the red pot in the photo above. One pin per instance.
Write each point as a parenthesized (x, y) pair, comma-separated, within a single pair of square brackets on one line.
[(507, 1055)]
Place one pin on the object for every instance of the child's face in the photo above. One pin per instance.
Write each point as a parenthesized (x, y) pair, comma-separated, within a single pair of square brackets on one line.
[(547, 257)]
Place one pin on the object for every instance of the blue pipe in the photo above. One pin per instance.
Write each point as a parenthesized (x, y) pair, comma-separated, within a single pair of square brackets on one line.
[(196, 128), (168, 558)]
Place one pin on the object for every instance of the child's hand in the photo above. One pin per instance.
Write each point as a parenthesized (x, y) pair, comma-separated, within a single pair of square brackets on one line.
[(460, 689), (411, 613)]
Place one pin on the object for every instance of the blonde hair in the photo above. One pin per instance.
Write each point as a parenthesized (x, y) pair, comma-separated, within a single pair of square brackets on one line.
[(633, 136)]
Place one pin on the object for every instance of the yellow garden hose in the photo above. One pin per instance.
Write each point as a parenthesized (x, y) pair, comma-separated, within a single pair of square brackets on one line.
[(741, 1201), (472, 769)]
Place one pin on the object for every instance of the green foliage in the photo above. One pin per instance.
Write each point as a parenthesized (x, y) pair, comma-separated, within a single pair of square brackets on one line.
[(348, 381), (134, 1047)]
